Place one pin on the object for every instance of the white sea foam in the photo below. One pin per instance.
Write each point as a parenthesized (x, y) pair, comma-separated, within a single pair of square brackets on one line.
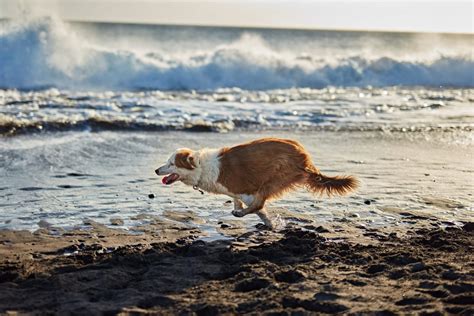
[(396, 109), (48, 52)]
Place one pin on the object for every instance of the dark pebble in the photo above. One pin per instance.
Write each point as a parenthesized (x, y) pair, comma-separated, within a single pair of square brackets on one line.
[(469, 227), (431, 313), (325, 296), (356, 282), (465, 299), (367, 202), (291, 276), (314, 305), (418, 266), (427, 285), (376, 268), (321, 229), (252, 285), (401, 259), (397, 274), (437, 293), (459, 288), (324, 307), (385, 312), (411, 301), (450, 275), (151, 196), (208, 310), (460, 310)]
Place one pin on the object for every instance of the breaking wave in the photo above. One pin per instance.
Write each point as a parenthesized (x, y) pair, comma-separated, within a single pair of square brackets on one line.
[(48, 53)]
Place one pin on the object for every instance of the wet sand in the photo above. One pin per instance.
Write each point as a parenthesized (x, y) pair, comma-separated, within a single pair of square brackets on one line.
[(96, 243), (301, 270), (109, 176)]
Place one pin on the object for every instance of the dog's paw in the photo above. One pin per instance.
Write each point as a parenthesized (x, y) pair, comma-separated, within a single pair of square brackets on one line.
[(275, 223), (238, 213)]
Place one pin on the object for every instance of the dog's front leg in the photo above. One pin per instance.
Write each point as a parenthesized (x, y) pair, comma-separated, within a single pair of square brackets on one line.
[(238, 204), (256, 205)]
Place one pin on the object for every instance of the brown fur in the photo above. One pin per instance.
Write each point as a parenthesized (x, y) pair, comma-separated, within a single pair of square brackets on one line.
[(183, 159), (269, 167)]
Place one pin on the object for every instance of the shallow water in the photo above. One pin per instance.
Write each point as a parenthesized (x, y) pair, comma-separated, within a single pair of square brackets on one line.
[(68, 178)]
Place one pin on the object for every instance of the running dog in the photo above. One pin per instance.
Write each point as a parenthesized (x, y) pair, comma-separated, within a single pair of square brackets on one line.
[(253, 173)]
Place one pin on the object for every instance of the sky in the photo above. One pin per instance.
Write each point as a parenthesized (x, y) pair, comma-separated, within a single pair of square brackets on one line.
[(445, 16)]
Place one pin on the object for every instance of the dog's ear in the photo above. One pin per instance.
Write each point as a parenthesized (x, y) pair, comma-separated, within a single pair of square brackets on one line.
[(191, 161), (185, 159)]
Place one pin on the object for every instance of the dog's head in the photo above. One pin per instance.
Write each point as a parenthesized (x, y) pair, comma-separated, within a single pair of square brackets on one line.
[(180, 166)]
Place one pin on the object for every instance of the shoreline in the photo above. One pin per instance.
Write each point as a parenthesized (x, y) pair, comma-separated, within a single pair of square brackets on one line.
[(401, 178)]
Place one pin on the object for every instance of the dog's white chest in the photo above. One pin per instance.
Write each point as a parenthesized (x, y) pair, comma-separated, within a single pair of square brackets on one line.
[(210, 165)]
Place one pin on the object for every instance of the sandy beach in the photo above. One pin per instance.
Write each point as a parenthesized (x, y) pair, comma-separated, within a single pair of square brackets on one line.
[(402, 244), (296, 271)]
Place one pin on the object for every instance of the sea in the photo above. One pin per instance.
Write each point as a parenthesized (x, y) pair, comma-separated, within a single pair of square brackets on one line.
[(89, 110)]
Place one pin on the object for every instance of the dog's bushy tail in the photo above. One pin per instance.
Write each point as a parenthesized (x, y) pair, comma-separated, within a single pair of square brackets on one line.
[(338, 185)]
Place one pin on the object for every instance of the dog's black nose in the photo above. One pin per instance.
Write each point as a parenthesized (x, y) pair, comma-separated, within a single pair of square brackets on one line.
[(157, 171)]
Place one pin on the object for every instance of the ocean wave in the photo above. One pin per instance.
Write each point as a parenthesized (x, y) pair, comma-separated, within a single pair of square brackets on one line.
[(10, 127), (13, 127), (48, 53), (17, 127)]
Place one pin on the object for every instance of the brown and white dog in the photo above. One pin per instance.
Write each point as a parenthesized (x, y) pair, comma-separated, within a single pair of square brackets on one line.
[(252, 173)]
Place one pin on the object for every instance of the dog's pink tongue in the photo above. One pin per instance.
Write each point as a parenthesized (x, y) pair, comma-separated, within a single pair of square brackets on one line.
[(165, 179)]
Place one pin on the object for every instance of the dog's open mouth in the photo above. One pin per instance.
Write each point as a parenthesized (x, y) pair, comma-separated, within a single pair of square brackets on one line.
[(170, 178)]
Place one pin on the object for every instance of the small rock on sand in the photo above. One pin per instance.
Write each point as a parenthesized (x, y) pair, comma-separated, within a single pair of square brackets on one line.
[(469, 227), (116, 221)]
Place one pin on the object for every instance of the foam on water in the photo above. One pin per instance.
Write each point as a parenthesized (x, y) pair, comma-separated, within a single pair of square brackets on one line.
[(341, 109), (48, 52)]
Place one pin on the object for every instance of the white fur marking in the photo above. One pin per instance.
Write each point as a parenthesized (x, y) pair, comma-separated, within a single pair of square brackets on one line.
[(247, 199), (210, 169)]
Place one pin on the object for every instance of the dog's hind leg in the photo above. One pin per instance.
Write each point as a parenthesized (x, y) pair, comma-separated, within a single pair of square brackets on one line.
[(265, 218), (273, 222)]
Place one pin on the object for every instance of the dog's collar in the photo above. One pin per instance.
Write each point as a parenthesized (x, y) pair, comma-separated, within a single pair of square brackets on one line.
[(195, 187)]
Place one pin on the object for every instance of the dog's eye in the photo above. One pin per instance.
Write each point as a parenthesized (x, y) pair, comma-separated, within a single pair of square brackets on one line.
[(171, 164)]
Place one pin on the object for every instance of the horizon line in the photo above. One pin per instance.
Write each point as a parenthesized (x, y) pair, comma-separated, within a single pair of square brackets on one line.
[(256, 27)]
